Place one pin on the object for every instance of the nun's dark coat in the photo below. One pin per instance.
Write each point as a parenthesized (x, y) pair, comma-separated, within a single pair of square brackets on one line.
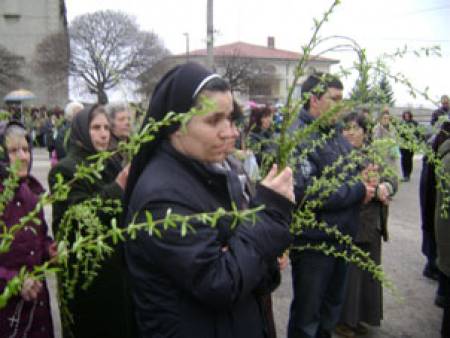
[(104, 309), (190, 287), (207, 283)]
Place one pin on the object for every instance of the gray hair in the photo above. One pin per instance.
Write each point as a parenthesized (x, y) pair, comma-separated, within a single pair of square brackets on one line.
[(71, 107), (116, 107), (15, 131)]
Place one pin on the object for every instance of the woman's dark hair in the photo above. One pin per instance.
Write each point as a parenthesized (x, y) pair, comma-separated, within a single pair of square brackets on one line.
[(256, 116), (359, 119), (96, 110), (407, 112), (442, 136)]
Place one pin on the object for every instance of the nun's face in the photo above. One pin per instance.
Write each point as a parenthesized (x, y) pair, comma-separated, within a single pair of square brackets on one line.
[(210, 137), (18, 150), (99, 132)]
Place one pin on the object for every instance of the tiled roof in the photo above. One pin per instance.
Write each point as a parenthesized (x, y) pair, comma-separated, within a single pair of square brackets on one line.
[(244, 49)]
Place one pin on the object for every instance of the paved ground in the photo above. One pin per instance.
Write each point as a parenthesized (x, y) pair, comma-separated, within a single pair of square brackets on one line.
[(412, 316)]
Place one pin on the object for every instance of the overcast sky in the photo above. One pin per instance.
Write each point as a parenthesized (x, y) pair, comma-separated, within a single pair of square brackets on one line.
[(378, 26)]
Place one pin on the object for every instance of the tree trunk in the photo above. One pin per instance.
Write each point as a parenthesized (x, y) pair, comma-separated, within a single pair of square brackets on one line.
[(102, 98)]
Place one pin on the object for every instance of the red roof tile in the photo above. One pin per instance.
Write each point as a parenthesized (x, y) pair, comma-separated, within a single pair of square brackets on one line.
[(244, 49)]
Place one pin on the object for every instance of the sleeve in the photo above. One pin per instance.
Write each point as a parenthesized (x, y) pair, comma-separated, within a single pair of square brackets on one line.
[(213, 276), (345, 196), (6, 275), (79, 192)]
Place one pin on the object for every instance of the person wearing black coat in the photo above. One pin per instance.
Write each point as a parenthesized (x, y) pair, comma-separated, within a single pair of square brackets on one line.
[(406, 155), (319, 280), (104, 308), (443, 110), (208, 282)]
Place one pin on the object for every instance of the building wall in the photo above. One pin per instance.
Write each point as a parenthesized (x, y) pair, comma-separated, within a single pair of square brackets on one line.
[(286, 69), (282, 75), (23, 25)]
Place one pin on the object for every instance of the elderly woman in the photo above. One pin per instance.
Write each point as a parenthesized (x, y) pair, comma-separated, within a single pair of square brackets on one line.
[(28, 314), (120, 118), (364, 295), (207, 283), (103, 310)]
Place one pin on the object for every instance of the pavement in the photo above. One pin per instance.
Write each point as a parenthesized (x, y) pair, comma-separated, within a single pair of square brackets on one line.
[(409, 314)]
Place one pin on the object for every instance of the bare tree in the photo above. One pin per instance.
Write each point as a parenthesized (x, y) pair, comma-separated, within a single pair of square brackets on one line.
[(150, 77), (51, 58), (238, 70), (11, 66), (108, 47)]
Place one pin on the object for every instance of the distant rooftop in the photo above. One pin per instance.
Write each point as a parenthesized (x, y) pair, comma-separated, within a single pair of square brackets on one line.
[(244, 49)]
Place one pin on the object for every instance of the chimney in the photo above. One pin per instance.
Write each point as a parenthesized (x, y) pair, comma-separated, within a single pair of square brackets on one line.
[(271, 42)]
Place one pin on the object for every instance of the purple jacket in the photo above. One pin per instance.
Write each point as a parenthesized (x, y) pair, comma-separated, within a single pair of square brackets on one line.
[(29, 248)]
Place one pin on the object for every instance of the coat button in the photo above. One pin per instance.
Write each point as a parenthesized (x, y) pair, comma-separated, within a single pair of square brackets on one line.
[(31, 253), (18, 203), (42, 328), (41, 303)]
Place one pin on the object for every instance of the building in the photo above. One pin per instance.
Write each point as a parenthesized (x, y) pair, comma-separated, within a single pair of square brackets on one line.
[(257, 73), (23, 25)]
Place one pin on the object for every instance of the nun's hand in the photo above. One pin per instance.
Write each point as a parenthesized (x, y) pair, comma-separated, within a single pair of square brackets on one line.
[(281, 183), (122, 177)]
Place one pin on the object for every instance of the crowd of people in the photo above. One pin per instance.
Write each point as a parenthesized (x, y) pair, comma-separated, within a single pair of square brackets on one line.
[(217, 280)]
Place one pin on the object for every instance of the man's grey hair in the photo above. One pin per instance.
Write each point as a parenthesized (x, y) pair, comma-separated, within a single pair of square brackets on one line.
[(116, 107), (71, 107)]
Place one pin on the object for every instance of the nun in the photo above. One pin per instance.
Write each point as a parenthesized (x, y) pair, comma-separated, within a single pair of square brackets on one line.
[(208, 282)]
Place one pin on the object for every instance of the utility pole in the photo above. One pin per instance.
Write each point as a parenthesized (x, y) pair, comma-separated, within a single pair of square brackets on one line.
[(210, 34), (186, 35)]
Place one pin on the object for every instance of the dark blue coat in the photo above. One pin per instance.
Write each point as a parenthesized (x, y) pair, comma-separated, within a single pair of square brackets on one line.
[(192, 286), (342, 207)]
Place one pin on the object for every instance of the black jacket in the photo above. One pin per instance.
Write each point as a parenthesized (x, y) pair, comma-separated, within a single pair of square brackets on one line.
[(61, 140), (191, 286), (342, 207), (104, 309)]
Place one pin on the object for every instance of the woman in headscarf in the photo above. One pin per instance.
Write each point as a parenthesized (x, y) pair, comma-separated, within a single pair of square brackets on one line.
[(103, 309), (207, 283), (28, 314)]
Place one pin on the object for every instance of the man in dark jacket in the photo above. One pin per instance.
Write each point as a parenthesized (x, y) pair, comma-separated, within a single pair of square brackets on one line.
[(441, 111), (319, 280)]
